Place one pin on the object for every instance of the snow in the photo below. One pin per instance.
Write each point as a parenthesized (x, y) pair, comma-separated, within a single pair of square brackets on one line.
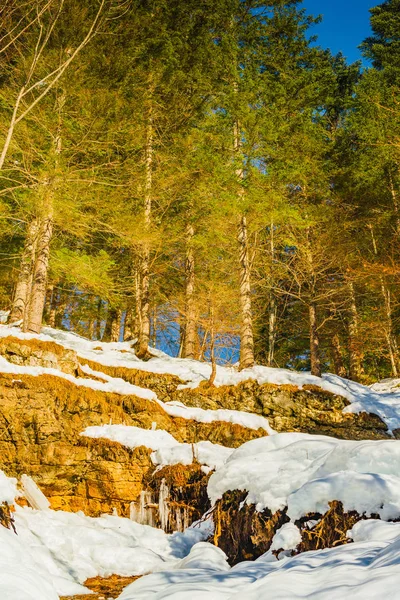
[(382, 399), (201, 415), (68, 548), (288, 537), (361, 571), (55, 552), (20, 577), (166, 449), (304, 472), (8, 489)]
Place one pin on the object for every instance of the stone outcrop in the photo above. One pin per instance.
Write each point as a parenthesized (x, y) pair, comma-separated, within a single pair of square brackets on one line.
[(37, 353), (163, 384), (288, 408), (41, 419)]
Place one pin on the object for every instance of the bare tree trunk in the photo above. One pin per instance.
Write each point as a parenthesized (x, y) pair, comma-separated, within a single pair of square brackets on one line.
[(395, 200), (212, 347), (190, 337), (33, 321), (110, 324), (127, 325), (271, 330), (314, 341), (138, 304), (337, 356), (154, 328), (389, 335), (98, 319), (246, 330), (24, 283), (34, 314), (355, 353), (115, 326), (144, 332), (272, 305)]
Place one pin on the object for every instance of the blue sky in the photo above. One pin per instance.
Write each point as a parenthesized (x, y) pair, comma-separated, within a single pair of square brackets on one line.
[(345, 24)]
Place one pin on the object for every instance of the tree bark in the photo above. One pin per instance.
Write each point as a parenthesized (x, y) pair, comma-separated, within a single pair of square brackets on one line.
[(355, 352), (24, 283), (190, 336), (337, 356), (246, 330), (272, 304), (127, 325), (144, 332), (33, 320), (34, 315), (314, 341), (110, 327), (115, 326)]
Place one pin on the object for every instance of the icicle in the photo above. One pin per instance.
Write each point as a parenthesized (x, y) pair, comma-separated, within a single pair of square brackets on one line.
[(163, 506), (142, 511), (178, 519), (33, 494)]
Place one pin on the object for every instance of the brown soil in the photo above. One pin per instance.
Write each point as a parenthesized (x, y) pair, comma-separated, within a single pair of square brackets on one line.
[(105, 588)]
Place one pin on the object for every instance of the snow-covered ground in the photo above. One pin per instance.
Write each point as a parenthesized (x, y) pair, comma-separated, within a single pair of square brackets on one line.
[(383, 400), (365, 570), (54, 552), (67, 548), (166, 449)]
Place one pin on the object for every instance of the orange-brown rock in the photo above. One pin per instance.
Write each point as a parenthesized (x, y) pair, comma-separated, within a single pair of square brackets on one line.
[(39, 353), (41, 419)]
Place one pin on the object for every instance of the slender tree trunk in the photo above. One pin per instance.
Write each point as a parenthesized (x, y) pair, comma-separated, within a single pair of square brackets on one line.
[(337, 356), (355, 352), (144, 331), (33, 321), (272, 305), (314, 341), (138, 304), (34, 315), (246, 330), (115, 326), (24, 283), (98, 319), (127, 325), (387, 302), (395, 201), (11, 127), (271, 330), (110, 324), (190, 337), (203, 346), (154, 328), (212, 347)]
